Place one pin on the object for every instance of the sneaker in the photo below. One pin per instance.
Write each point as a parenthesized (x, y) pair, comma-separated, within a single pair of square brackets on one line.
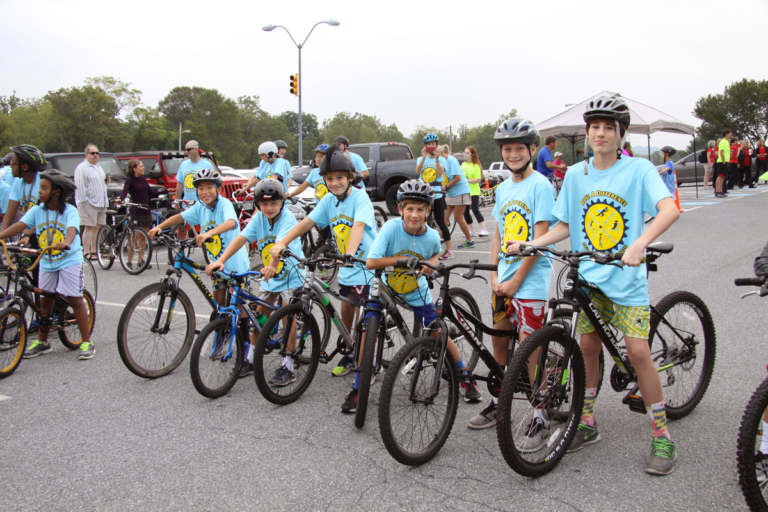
[(246, 369), (761, 467), (469, 390), (469, 244), (346, 365), (482, 232), (486, 418), (472, 234), (584, 435), (283, 376), (37, 348), (34, 326), (535, 436), (447, 255), (350, 403), (662, 457), (86, 350)]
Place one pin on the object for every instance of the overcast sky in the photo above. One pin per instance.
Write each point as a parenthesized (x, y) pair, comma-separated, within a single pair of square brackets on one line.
[(410, 63)]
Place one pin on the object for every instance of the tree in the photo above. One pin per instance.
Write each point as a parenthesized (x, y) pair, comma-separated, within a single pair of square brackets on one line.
[(358, 128), (81, 115), (178, 105), (216, 125), (120, 91), (743, 107), (152, 131)]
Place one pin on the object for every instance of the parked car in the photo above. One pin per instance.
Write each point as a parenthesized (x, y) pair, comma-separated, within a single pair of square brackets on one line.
[(389, 164), (688, 168), (499, 170)]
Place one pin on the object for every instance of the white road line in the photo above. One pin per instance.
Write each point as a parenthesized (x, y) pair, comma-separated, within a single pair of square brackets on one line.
[(3, 397), (114, 304)]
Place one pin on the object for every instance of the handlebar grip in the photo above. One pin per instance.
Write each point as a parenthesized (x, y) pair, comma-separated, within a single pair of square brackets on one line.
[(486, 266), (749, 281), (403, 262)]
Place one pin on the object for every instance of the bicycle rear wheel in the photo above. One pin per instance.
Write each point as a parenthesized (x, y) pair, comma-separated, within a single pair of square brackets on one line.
[(277, 382), (469, 354), (135, 250), (213, 367), (414, 422), (13, 340), (148, 347), (69, 331), (90, 281), (366, 369), (105, 247), (752, 464), (536, 421), (685, 370)]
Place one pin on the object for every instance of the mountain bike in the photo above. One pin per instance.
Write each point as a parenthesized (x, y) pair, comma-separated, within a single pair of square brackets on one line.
[(751, 461), (682, 344), (13, 325), (125, 240)]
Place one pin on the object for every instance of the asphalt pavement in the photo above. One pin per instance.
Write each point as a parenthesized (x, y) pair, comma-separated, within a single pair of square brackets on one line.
[(89, 435)]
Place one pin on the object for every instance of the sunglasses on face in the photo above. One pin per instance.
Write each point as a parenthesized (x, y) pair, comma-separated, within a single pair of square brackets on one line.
[(93, 153)]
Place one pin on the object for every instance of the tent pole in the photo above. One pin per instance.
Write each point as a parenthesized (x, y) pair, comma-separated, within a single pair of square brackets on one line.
[(649, 147), (695, 167)]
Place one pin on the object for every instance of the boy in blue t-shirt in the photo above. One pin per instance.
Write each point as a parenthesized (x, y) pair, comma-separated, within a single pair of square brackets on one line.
[(349, 213), (668, 171), (271, 166), (408, 237), (520, 286), (272, 222), (314, 179), (56, 224), (218, 223), (602, 208)]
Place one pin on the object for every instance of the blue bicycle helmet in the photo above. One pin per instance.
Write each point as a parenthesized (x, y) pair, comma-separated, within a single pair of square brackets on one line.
[(430, 137), (322, 148)]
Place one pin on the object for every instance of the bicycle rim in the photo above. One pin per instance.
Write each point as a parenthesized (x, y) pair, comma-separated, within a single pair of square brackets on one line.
[(753, 469), (216, 359), (12, 340)]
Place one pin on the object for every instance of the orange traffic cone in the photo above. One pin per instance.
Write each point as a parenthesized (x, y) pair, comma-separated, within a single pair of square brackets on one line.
[(487, 183), (677, 196)]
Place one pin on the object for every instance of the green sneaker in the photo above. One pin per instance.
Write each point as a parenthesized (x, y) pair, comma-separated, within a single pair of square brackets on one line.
[(662, 457), (584, 435), (86, 350), (37, 348), (346, 365)]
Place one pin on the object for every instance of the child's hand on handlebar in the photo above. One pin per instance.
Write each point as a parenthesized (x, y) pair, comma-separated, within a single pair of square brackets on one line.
[(213, 267), (277, 248), (201, 238), (152, 233), (515, 246), (268, 273), (59, 246)]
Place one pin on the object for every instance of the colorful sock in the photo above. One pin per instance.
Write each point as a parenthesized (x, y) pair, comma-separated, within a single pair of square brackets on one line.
[(658, 416), (356, 385), (764, 441), (460, 364), (588, 412)]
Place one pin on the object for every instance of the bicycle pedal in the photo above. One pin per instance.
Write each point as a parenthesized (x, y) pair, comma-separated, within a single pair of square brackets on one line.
[(323, 358), (635, 403)]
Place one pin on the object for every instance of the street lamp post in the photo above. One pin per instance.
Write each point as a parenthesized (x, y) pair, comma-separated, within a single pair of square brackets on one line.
[(269, 28), (180, 132)]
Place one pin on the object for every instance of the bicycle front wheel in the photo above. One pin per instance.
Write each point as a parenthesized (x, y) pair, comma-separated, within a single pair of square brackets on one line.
[(366, 369), (90, 281), (414, 421), (105, 247), (69, 331), (537, 418), (13, 340), (752, 463), (326, 271), (685, 368), (135, 250), (469, 354), (286, 354), (154, 335), (215, 368)]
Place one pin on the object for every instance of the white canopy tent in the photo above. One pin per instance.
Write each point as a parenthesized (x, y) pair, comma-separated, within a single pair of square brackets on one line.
[(570, 125)]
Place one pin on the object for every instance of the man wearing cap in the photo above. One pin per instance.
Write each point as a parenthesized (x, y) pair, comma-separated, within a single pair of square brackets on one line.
[(91, 198), (544, 163), (185, 189)]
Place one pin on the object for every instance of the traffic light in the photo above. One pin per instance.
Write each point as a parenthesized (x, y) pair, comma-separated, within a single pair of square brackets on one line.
[(295, 84)]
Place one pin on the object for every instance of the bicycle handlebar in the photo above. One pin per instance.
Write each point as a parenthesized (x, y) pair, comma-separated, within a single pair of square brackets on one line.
[(600, 257), (174, 242), (749, 281), (26, 250)]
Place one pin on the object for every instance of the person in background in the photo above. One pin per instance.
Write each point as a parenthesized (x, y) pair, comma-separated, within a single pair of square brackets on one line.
[(91, 198), (761, 159), (7, 171), (473, 171), (721, 166), (185, 189), (627, 150), (559, 173), (733, 165), (457, 196), (668, 171), (429, 168), (544, 161), (357, 160), (137, 186), (282, 149), (711, 157), (745, 159)]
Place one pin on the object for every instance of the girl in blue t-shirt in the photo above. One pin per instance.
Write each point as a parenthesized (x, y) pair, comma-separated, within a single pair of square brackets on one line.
[(668, 171), (429, 168), (56, 224)]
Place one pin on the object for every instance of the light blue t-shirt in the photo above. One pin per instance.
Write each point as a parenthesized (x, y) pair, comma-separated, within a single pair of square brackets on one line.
[(5, 191), (318, 183), (358, 162), (51, 228), (429, 173), (451, 171), (288, 275), (519, 206), (356, 207), (669, 177), (7, 175), (394, 240), (288, 170), (605, 211), (277, 170), (201, 215), (186, 174), (24, 194)]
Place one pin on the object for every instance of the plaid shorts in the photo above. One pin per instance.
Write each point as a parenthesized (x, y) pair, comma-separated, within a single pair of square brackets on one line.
[(526, 314), (633, 321)]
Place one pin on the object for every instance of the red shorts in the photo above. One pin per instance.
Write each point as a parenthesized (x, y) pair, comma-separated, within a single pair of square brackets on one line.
[(526, 314)]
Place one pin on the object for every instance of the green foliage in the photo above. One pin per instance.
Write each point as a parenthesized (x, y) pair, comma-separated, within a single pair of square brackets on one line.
[(178, 105), (743, 107)]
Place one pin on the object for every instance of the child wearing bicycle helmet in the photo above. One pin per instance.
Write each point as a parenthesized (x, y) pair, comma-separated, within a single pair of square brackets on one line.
[(520, 286), (410, 237), (602, 208), (314, 179), (218, 223), (56, 224), (27, 161), (430, 167), (349, 213), (271, 166), (668, 171)]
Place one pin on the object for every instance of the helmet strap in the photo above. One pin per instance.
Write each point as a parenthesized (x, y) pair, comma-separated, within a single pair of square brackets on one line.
[(623, 139)]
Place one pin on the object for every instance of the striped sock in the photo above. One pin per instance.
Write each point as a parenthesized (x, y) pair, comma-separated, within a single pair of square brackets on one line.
[(658, 416), (588, 412)]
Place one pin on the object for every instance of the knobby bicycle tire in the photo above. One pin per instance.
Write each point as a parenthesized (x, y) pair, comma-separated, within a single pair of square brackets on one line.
[(687, 373), (135, 265), (752, 477), (411, 437), (213, 373), (90, 279), (562, 317), (366, 369), (13, 340), (150, 354), (557, 401), (106, 245), (326, 272), (468, 352), (267, 358), (69, 331)]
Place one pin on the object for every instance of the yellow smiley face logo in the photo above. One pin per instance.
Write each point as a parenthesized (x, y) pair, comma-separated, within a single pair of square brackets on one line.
[(402, 282), (604, 226), (320, 190), (266, 258), (188, 181), (341, 232), (58, 237), (515, 228), (446, 181), (428, 175), (213, 245)]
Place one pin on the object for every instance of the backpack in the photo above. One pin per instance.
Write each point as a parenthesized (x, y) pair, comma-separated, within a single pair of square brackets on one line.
[(703, 157)]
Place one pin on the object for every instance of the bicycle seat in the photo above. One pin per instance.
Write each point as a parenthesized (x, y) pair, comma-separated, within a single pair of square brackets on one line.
[(661, 247), (111, 212)]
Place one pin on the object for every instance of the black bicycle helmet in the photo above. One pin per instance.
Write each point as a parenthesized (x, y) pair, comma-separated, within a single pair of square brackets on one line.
[(30, 155), (668, 150), (517, 130), (268, 190), (280, 144), (341, 140), (60, 180), (336, 160), (211, 175), (611, 107), (416, 190), (8, 158)]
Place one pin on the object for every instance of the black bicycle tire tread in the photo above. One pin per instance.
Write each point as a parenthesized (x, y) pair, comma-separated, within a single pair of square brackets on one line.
[(194, 366), (109, 233), (745, 448), (88, 299), (475, 310), (366, 370), (8, 370), (147, 255)]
